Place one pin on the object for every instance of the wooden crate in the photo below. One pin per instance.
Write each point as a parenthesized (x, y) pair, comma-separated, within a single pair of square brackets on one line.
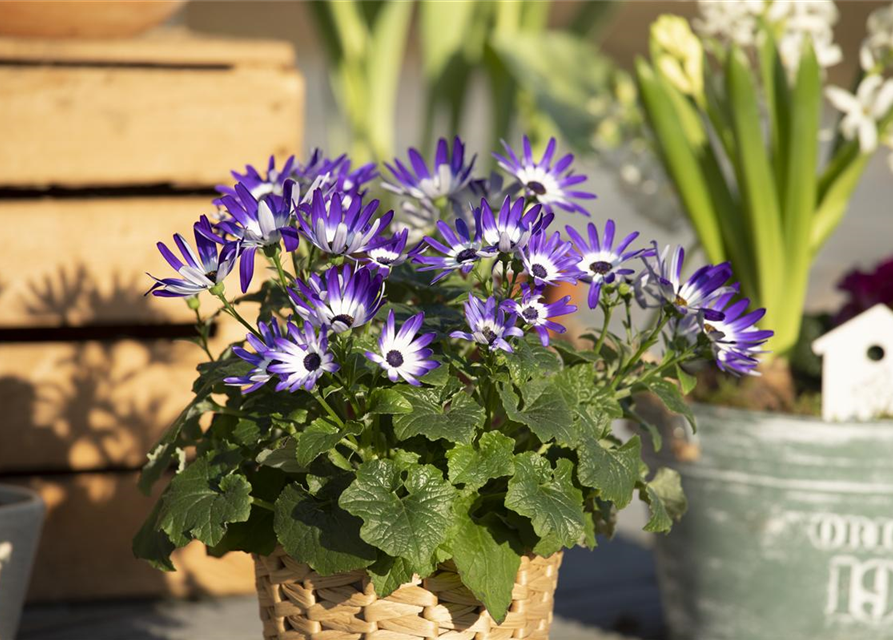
[(111, 146)]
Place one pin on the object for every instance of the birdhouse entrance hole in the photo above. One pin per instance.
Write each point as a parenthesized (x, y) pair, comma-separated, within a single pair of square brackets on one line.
[(876, 353)]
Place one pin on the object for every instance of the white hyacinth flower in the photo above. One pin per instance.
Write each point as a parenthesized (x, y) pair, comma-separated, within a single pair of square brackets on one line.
[(731, 22), (862, 111), (815, 20)]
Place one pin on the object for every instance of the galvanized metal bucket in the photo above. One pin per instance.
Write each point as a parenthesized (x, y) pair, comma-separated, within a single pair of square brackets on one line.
[(21, 517), (789, 533)]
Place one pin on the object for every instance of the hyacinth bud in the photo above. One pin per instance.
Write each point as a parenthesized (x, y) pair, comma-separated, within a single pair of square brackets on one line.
[(679, 54)]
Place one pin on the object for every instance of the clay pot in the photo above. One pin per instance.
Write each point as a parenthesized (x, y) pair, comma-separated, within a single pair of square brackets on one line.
[(113, 19)]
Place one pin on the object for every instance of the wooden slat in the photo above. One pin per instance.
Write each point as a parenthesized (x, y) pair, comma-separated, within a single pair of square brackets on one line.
[(82, 127), (93, 405), (85, 548), (84, 262), (169, 47)]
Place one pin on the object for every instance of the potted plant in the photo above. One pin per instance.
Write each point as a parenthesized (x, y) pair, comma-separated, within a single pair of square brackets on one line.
[(400, 441), (773, 545), (21, 517)]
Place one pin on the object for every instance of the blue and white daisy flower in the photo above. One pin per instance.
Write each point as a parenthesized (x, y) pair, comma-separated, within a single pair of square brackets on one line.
[(511, 229), (258, 223), (535, 312), (402, 354), (341, 298), (448, 176), (663, 281), (735, 339), (490, 325), (461, 251), (600, 260), (550, 260), (199, 272), (260, 185), (259, 359), (338, 227), (301, 358), (390, 254), (552, 186)]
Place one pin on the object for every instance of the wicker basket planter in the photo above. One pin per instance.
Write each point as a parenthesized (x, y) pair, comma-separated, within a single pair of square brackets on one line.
[(297, 603)]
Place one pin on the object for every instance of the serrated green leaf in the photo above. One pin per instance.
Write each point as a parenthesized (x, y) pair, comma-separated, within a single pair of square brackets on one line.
[(612, 472), (487, 563), (153, 545), (455, 421), (665, 499), (548, 497), (202, 500), (389, 574), (283, 458), (255, 535), (320, 437), (529, 361), (319, 532), (474, 465), (409, 526), (571, 354), (673, 399), (545, 411), (387, 401)]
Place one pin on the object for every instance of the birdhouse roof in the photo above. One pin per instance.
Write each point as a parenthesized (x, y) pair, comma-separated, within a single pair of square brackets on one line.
[(872, 323)]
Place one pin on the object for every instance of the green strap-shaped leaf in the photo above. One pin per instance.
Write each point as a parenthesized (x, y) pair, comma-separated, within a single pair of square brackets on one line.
[(548, 497), (409, 526), (473, 465), (665, 500), (613, 472), (454, 419)]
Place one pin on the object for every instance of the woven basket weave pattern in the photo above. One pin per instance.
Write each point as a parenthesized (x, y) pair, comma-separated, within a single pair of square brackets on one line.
[(296, 603)]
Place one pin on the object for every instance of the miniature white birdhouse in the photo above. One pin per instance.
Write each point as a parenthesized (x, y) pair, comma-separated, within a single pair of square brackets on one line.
[(857, 367)]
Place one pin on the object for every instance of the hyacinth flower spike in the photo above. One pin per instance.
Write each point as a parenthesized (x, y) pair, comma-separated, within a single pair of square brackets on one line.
[(490, 325), (338, 227), (341, 298), (600, 260), (302, 358), (199, 272), (536, 313), (553, 186), (402, 354), (550, 260), (259, 359), (511, 229), (448, 176), (460, 251)]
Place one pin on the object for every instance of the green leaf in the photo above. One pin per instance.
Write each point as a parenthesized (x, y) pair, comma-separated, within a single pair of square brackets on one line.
[(665, 499), (320, 437), (389, 574), (673, 399), (283, 458), (687, 380), (474, 465), (152, 544), (202, 500), (529, 361), (612, 472), (548, 497), (387, 401), (545, 411), (319, 532), (443, 26), (255, 535), (454, 420), (411, 525), (487, 563)]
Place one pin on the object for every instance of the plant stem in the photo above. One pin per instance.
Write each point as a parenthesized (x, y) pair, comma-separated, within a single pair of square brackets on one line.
[(608, 309), (235, 314), (201, 329), (325, 405), (283, 280), (263, 504)]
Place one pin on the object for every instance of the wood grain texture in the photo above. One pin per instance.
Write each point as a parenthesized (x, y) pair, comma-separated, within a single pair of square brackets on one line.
[(85, 549), (107, 126), (84, 262), (93, 405)]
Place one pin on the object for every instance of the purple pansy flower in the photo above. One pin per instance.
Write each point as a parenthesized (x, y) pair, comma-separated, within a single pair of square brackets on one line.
[(302, 358), (461, 251), (340, 298), (260, 360), (537, 313), (339, 227), (257, 224), (599, 260), (199, 272), (402, 354), (552, 186), (550, 260), (511, 229), (490, 325), (663, 281)]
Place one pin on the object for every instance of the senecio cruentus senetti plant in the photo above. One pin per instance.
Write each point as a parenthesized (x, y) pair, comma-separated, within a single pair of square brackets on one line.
[(400, 398)]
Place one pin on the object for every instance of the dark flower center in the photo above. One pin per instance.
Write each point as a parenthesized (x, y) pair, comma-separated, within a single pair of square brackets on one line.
[(530, 314), (538, 270), (312, 361), (384, 260), (600, 267), (344, 319), (212, 275), (394, 358), (489, 334), (709, 328), (536, 187), (465, 255), (680, 301)]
